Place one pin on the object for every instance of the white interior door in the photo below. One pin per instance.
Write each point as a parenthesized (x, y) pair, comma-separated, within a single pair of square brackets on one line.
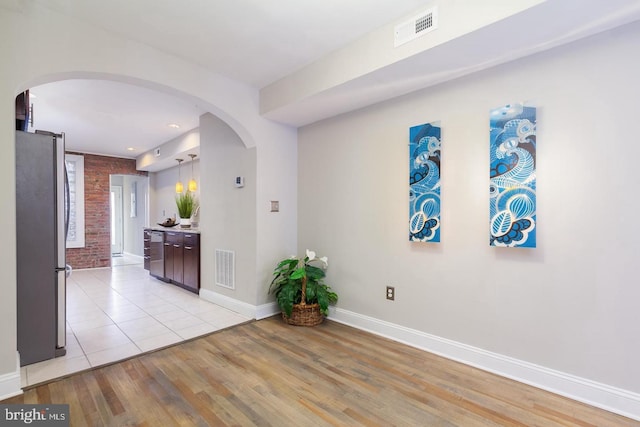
[(116, 219)]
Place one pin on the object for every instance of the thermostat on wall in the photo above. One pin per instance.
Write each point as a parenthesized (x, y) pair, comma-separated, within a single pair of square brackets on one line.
[(239, 181)]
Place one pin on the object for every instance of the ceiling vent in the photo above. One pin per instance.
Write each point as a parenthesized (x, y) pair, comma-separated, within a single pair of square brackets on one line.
[(416, 26)]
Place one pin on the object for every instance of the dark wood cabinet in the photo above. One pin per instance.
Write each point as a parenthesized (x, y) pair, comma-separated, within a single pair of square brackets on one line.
[(173, 269), (191, 261), (147, 249), (181, 258), (168, 258)]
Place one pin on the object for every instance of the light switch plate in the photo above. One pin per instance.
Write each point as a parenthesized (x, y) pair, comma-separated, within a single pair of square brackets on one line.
[(275, 206)]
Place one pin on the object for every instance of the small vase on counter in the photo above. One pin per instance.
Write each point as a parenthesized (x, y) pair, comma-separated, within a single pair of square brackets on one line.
[(185, 222), (195, 217)]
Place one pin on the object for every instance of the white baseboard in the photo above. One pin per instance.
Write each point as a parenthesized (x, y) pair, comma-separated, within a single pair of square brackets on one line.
[(600, 395), (232, 304), (137, 257), (267, 310), (10, 384), (255, 312)]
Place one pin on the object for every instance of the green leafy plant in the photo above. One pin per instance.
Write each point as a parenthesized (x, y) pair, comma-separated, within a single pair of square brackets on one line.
[(296, 281), (186, 203)]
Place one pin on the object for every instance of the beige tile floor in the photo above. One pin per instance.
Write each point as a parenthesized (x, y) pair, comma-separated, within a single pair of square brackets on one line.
[(115, 313), (125, 259)]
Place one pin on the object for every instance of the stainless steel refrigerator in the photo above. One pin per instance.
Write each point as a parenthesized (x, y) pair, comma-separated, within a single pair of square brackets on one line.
[(41, 223)]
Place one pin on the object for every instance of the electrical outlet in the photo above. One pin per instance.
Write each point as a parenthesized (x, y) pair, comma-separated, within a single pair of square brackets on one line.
[(391, 293)]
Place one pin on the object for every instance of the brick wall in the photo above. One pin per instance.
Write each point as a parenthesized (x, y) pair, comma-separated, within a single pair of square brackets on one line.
[(97, 227)]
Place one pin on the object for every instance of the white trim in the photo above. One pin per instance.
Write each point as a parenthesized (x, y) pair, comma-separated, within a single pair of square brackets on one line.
[(255, 312), (233, 304), (92, 268), (267, 310), (600, 395), (10, 384), (79, 241), (134, 256)]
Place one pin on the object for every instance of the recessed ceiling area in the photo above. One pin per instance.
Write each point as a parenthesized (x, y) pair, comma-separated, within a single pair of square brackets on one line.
[(111, 118), (307, 61), (252, 41), (249, 41)]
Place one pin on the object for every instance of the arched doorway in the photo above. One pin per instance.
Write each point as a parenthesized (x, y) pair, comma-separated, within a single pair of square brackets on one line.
[(101, 55), (224, 146)]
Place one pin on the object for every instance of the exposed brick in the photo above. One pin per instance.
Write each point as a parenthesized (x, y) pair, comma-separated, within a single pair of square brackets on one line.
[(97, 233)]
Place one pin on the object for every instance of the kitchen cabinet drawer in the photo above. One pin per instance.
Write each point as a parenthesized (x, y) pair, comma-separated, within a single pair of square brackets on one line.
[(146, 238), (191, 239), (147, 260), (174, 237)]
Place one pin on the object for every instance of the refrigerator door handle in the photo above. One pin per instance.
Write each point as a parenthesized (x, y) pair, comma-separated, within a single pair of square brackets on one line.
[(67, 202), (60, 189)]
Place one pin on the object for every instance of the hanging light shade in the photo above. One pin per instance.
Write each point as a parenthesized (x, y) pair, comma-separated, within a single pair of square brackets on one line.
[(179, 186), (193, 185)]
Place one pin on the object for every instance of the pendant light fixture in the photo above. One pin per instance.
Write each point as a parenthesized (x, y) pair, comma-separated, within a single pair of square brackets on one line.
[(193, 186), (179, 186)]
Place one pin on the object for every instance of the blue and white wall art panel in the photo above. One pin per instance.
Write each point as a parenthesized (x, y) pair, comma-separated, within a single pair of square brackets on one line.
[(512, 190), (424, 182)]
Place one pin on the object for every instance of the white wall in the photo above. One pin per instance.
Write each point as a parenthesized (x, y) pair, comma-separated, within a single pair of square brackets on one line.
[(132, 236), (58, 47), (133, 226), (227, 213), (164, 190), (571, 304)]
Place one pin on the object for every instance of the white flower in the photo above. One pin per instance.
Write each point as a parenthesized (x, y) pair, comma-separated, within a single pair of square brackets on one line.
[(325, 261), (293, 257), (311, 255)]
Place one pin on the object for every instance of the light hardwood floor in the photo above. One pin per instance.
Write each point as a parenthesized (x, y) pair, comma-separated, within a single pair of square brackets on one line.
[(116, 313), (266, 373)]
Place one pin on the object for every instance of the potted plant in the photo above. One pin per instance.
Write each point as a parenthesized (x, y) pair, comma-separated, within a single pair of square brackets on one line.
[(186, 203), (300, 291)]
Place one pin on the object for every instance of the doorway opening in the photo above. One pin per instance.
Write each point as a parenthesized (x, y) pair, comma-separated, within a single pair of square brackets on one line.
[(116, 221), (128, 210)]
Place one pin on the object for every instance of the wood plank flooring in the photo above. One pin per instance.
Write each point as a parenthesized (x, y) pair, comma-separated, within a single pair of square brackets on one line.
[(266, 373)]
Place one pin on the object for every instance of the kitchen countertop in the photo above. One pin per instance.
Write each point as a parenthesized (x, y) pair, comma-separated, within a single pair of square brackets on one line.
[(174, 229)]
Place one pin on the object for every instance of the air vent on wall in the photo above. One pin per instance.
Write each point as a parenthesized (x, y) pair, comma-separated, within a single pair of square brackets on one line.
[(415, 27), (225, 268)]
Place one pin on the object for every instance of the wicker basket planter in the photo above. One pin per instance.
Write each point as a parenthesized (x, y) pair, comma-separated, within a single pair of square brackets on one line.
[(304, 315), (300, 291)]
